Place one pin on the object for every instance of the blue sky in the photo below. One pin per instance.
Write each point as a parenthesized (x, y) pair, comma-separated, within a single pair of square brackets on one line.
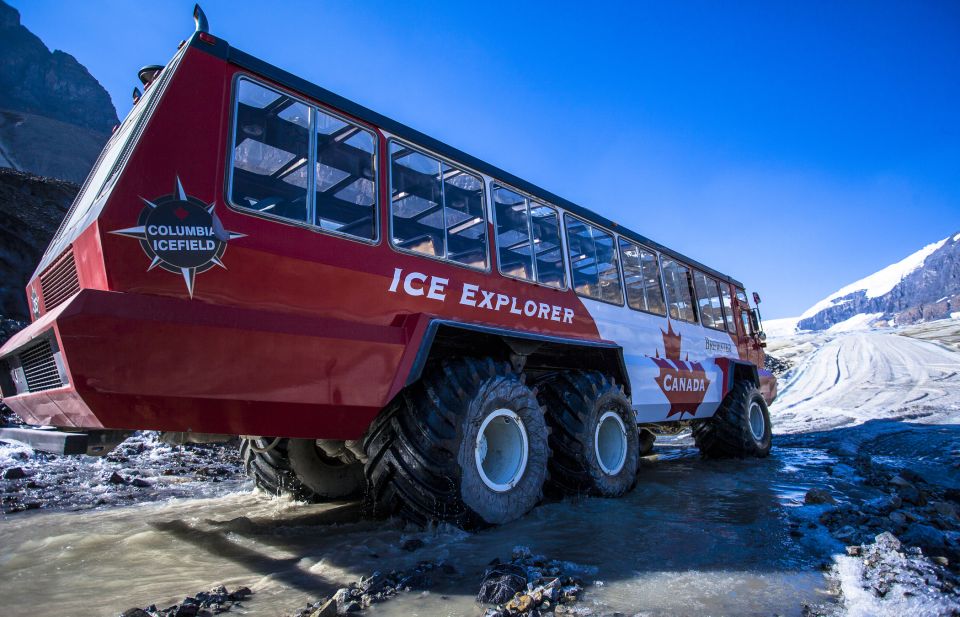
[(797, 146)]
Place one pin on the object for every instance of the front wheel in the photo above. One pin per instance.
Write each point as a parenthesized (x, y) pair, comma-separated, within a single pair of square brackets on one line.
[(466, 445), (741, 427)]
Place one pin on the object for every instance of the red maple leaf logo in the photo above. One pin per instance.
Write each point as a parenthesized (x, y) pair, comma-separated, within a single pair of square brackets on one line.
[(181, 213), (683, 383)]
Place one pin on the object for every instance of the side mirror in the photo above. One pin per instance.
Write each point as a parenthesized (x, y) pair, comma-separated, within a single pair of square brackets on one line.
[(756, 298), (762, 336)]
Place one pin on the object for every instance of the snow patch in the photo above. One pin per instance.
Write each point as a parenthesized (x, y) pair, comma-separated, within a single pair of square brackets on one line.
[(878, 283), (955, 315), (778, 328), (860, 321)]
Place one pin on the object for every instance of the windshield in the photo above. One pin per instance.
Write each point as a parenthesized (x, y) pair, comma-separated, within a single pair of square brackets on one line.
[(96, 188)]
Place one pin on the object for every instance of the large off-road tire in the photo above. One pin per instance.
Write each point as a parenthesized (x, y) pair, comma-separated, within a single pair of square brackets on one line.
[(325, 477), (741, 427), (594, 436), (467, 444), (297, 468)]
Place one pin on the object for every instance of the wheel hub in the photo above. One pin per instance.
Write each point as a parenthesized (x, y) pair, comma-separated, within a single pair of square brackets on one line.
[(610, 443), (757, 424), (501, 450)]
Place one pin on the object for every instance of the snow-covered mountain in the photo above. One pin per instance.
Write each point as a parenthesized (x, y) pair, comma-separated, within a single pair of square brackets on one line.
[(921, 287)]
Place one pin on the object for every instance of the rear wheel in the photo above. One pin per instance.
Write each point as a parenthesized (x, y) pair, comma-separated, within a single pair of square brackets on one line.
[(594, 439), (741, 427), (467, 444), (296, 467)]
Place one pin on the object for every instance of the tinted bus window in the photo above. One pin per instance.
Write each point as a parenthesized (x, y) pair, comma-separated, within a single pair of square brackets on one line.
[(345, 181), (708, 299), (679, 286), (271, 153), (641, 278), (728, 308), (272, 162), (593, 262), (513, 234), (528, 239), (548, 252), (436, 208)]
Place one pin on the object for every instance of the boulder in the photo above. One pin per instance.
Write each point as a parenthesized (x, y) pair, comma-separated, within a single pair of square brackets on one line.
[(501, 582), (818, 496), (14, 473)]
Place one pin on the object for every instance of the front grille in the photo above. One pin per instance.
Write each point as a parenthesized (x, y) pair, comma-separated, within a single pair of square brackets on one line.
[(40, 367), (59, 281)]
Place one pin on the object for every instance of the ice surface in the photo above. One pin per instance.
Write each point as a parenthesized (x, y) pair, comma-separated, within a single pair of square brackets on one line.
[(776, 328), (879, 282), (860, 321)]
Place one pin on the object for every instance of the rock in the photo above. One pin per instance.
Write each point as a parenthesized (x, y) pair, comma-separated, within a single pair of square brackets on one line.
[(135, 612), (953, 494), (887, 541), (14, 473), (924, 536), (141, 483), (412, 544), (501, 582), (853, 551), (329, 609), (116, 478), (898, 517), (945, 509), (520, 604), (187, 609), (884, 505), (818, 496)]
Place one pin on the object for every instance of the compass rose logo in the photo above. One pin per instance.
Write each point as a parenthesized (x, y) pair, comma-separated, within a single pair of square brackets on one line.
[(181, 234)]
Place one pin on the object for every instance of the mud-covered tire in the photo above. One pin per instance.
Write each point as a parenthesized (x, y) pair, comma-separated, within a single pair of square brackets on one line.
[(647, 439), (325, 478), (422, 460), (294, 467), (729, 433), (269, 468), (581, 408)]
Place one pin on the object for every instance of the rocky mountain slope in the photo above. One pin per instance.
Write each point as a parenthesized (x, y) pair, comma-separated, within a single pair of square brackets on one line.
[(922, 287), (54, 116), (31, 208)]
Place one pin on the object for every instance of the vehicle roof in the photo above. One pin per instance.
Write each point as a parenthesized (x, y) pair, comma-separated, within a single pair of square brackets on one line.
[(223, 50)]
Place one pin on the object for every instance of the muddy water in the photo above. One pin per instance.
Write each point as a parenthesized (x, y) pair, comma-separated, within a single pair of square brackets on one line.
[(694, 538)]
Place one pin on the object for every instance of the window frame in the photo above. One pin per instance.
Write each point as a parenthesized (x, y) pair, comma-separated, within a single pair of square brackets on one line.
[(716, 282), (312, 146), (693, 292), (616, 251), (494, 184), (442, 159), (623, 276)]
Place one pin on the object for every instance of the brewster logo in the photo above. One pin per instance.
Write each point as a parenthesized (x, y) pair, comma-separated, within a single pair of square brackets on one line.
[(181, 234), (684, 383)]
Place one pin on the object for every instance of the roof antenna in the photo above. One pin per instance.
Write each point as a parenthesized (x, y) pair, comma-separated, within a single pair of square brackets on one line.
[(136, 95), (200, 19)]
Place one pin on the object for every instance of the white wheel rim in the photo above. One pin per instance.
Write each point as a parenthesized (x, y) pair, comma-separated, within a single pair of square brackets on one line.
[(501, 450), (610, 443), (757, 424)]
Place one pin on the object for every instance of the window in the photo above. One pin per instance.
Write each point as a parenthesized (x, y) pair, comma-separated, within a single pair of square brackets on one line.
[(679, 286), (528, 239), (641, 278), (728, 308), (345, 184), (271, 153), (273, 158), (593, 261), (708, 299), (437, 209)]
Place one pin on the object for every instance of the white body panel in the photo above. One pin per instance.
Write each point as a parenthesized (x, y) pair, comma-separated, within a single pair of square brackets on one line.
[(642, 337)]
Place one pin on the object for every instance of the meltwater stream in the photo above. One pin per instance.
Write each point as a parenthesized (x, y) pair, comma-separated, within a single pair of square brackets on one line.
[(694, 538)]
